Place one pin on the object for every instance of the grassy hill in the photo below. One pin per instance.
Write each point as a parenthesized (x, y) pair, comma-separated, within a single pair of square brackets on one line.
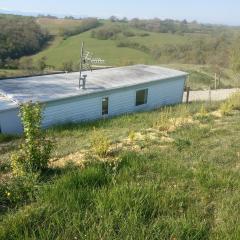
[(172, 173), (132, 45), (60, 50)]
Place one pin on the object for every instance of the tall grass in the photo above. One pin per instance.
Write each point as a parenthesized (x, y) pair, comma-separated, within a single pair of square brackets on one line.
[(187, 190)]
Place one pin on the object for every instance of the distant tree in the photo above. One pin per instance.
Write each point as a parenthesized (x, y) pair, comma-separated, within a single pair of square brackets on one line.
[(113, 19), (68, 66), (41, 64), (85, 25), (11, 63), (20, 36), (124, 19), (26, 63), (69, 17)]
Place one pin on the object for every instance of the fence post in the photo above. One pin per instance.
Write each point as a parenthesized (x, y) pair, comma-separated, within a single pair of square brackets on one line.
[(188, 93), (210, 94), (215, 81)]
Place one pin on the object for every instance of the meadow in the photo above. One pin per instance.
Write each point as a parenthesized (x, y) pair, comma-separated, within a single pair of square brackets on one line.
[(172, 173), (63, 50)]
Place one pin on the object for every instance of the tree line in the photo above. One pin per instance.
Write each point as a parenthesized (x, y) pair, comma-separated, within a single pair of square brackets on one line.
[(86, 24), (19, 36)]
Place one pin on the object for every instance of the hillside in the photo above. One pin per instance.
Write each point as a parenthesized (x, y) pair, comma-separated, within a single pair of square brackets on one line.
[(169, 174), (61, 50), (202, 50), (125, 44)]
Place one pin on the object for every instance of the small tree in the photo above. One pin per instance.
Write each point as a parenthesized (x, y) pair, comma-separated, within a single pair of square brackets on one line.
[(34, 153), (41, 64), (68, 66), (26, 63)]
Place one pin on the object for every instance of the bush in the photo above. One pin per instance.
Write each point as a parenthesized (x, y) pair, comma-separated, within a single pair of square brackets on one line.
[(106, 32), (100, 143), (234, 100), (134, 45), (226, 108), (129, 34), (182, 143), (34, 153), (132, 136), (68, 66), (144, 34), (18, 190)]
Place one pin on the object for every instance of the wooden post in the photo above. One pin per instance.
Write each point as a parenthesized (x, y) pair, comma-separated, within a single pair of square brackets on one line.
[(215, 81), (188, 93), (210, 94)]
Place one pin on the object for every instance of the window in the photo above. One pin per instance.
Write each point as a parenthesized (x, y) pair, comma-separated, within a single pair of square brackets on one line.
[(105, 106), (141, 97)]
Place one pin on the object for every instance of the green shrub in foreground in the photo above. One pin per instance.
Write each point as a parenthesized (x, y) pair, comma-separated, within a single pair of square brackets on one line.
[(34, 152)]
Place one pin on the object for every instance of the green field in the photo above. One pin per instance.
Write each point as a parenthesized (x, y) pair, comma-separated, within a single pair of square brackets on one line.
[(10, 73), (61, 51), (172, 173)]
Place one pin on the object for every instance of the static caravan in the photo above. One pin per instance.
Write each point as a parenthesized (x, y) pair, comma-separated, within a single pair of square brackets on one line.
[(106, 93)]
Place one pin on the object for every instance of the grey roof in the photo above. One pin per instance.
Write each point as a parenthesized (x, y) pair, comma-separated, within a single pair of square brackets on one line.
[(59, 86)]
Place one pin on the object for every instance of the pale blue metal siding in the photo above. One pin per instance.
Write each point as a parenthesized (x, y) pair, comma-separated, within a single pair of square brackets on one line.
[(120, 101), (10, 122), (160, 94), (72, 110)]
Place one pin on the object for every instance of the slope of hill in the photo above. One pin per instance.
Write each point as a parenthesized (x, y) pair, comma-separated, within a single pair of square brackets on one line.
[(172, 174), (62, 50), (198, 49)]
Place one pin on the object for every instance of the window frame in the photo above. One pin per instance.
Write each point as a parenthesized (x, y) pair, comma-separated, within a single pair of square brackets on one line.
[(105, 112), (145, 100)]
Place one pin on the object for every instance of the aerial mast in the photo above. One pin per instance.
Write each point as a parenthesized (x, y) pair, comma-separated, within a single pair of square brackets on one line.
[(86, 60)]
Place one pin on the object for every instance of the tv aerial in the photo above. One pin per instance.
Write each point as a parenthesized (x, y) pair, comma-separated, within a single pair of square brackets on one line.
[(86, 63)]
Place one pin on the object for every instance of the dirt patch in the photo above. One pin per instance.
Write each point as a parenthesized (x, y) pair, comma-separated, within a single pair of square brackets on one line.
[(77, 158)]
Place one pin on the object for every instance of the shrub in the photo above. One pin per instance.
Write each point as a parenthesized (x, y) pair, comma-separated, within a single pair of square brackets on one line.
[(34, 152), (182, 143), (100, 143), (226, 108), (19, 189), (163, 123), (106, 32), (234, 100), (129, 34), (68, 66), (132, 136), (203, 115), (144, 34)]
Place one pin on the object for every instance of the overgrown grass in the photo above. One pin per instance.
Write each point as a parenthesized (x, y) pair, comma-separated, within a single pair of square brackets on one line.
[(185, 189)]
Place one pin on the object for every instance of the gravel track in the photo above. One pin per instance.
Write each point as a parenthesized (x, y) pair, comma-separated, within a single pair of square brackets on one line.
[(215, 95)]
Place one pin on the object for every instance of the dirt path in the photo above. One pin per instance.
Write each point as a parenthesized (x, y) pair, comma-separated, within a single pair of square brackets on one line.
[(216, 95)]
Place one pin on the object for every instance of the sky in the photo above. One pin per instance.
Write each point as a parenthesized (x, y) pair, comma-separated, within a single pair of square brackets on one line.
[(205, 11)]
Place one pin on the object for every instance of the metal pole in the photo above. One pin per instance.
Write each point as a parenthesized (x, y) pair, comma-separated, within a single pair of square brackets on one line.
[(81, 65)]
